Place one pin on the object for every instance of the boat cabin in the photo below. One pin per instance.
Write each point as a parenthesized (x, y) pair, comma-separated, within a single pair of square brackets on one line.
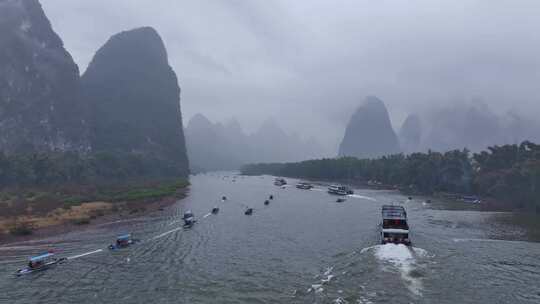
[(123, 240), (40, 260), (188, 215)]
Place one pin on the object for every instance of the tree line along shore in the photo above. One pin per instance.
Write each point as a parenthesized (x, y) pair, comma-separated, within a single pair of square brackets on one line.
[(507, 176)]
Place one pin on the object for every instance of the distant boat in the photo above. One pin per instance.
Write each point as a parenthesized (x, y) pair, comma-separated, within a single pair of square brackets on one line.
[(340, 190), (189, 219), (471, 199), (280, 182), (304, 186), (39, 263), (123, 241)]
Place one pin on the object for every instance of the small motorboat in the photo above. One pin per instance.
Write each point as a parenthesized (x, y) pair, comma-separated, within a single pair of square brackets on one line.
[(266, 202), (249, 211), (123, 241), (215, 210), (189, 219), (304, 186), (224, 198), (340, 200), (471, 199), (280, 182), (39, 263)]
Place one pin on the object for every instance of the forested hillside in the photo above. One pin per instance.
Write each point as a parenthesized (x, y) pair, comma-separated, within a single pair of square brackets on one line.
[(509, 174)]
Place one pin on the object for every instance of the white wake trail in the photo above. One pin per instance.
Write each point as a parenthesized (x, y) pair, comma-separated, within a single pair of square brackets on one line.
[(362, 197), (403, 259), (166, 233), (84, 254)]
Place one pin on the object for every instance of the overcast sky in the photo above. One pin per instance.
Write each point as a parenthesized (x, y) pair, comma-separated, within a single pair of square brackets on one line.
[(309, 63)]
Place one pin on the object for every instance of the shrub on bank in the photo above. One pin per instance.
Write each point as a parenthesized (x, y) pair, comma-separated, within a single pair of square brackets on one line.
[(82, 221), (21, 230)]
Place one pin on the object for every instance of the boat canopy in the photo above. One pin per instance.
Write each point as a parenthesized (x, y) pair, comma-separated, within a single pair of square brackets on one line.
[(41, 257), (124, 237), (394, 212)]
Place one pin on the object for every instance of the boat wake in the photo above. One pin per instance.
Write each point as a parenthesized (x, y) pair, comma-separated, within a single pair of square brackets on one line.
[(402, 259), (166, 233), (491, 240), (362, 197), (84, 254), (327, 276)]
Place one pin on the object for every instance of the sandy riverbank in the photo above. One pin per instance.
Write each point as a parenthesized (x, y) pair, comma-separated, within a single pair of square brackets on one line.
[(31, 224)]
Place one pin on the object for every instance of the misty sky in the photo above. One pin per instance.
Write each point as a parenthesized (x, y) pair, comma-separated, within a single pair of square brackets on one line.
[(310, 63)]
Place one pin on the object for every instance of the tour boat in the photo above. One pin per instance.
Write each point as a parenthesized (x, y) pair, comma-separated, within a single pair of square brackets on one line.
[(39, 263), (394, 225)]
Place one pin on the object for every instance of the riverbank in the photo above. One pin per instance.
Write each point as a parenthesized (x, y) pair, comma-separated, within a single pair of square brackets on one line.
[(27, 214)]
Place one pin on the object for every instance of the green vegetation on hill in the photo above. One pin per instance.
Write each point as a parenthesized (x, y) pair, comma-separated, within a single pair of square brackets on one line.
[(71, 168), (509, 174)]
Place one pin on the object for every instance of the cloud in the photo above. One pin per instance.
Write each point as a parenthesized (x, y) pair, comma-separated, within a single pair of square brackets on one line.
[(309, 63)]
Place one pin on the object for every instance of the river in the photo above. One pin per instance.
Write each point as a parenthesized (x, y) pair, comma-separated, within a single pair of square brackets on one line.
[(301, 248)]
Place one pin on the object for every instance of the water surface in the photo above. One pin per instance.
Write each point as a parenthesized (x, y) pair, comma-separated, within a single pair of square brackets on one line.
[(302, 248)]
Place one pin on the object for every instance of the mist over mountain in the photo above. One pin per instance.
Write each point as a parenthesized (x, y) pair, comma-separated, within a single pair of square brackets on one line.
[(40, 108), (206, 146), (474, 126), (369, 133), (134, 98), (217, 146), (410, 134)]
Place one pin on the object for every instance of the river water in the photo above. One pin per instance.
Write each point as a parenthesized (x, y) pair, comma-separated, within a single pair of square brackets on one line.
[(301, 248)]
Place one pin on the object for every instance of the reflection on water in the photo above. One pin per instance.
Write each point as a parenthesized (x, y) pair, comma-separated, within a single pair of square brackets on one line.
[(301, 248)]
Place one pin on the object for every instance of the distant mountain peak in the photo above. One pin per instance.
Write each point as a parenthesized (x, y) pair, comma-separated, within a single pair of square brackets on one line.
[(40, 108), (410, 133), (369, 133), (135, 97), (199, 121)]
